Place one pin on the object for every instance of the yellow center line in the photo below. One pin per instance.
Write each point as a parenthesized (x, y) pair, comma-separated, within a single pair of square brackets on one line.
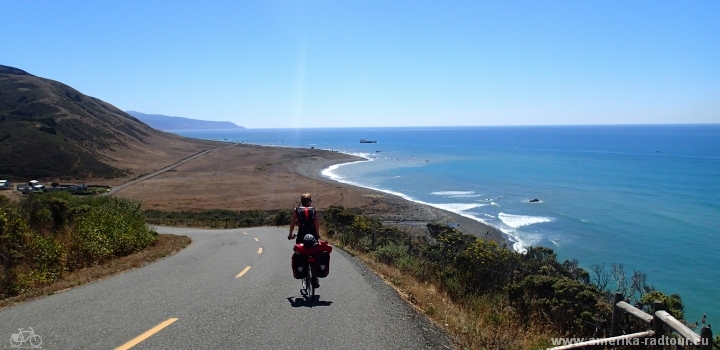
[(147, 334), (256, 240), (259, 250), (245, 270)]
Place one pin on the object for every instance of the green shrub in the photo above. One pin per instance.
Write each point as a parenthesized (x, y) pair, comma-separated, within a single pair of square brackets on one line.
[(280, 218), (47, 257), (407, 263), (67, 233), (672, 303), (283, 218), (116, 228), (218, 217), (567, 303), (538, 286), (390, 254), (359, 233)]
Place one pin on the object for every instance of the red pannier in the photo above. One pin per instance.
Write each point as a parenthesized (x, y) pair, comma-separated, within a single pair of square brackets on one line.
[(322, 264), (322, 258), (321, 247), (299, 264)]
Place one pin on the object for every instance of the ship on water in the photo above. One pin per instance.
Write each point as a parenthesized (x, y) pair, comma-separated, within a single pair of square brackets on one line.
[(367, 141)]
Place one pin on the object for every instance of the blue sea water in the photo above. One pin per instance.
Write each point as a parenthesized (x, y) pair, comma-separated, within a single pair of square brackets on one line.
[(644, 196)]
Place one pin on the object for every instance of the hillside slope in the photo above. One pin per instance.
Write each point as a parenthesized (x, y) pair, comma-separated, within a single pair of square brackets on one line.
[(50, 130), (167, 123)]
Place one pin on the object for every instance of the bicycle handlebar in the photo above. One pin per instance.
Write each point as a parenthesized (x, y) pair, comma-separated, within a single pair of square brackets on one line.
[(295, 235)]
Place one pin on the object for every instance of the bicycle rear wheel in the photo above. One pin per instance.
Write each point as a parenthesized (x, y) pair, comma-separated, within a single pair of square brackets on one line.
[(309, 288), (304, 286)]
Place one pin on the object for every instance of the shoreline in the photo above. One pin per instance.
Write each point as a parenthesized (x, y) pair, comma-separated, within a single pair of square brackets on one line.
[(412, 215), (252, 176), (255, 176)]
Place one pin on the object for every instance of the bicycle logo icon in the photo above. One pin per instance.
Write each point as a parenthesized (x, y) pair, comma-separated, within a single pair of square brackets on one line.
[(19, 339)]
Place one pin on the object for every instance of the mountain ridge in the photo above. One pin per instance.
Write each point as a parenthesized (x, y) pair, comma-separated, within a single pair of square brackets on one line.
[(169, 123), (49, 130)]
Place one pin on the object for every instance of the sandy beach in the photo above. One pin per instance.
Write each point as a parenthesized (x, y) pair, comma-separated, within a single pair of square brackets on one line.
[(246, 177)]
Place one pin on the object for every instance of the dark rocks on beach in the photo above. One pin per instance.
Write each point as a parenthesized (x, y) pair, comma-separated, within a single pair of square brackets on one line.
[(535, 200)]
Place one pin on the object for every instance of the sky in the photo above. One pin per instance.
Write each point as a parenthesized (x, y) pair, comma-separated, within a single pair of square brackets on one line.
[(299, 64)]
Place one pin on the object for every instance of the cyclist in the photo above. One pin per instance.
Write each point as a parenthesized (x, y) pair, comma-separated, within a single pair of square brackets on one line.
[(306, 219)]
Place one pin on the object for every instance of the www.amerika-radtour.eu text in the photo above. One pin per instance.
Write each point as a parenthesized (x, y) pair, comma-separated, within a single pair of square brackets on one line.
[(627, 341)]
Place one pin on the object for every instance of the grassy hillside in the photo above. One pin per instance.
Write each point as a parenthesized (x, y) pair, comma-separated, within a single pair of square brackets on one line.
[(50, 130)]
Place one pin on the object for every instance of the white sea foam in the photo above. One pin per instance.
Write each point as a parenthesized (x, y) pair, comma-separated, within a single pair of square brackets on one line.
[(461, 209), (359, 154), (516, 221), (452, 193), (519, 240), (330, 171), (458, 207)]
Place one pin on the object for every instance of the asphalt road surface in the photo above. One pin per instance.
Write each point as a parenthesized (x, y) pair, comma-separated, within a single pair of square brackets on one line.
[(230, 289)]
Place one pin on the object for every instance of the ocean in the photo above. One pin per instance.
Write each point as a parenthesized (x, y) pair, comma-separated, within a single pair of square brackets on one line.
[(645, 196)]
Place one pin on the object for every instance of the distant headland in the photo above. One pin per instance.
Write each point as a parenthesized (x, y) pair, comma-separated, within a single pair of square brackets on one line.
[(168, 123)]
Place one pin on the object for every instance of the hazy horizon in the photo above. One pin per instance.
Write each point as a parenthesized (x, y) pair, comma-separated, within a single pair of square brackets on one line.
[(472, 126), (378, 64)]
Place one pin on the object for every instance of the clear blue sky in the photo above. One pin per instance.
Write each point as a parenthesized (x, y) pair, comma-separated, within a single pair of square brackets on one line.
[(380, 63)]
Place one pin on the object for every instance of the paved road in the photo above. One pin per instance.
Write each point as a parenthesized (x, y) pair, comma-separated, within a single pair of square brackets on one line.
[(203, 304)]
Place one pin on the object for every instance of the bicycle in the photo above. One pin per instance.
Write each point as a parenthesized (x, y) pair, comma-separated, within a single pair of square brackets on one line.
[(19, 338), (307, 288)]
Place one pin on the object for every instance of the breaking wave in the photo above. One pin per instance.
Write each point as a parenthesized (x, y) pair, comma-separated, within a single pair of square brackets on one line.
[(452, 193), (516, 221)]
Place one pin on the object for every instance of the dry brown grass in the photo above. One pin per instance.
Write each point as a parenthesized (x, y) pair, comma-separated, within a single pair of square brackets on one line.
[(242, 177), (482, 323), (164, 246)]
